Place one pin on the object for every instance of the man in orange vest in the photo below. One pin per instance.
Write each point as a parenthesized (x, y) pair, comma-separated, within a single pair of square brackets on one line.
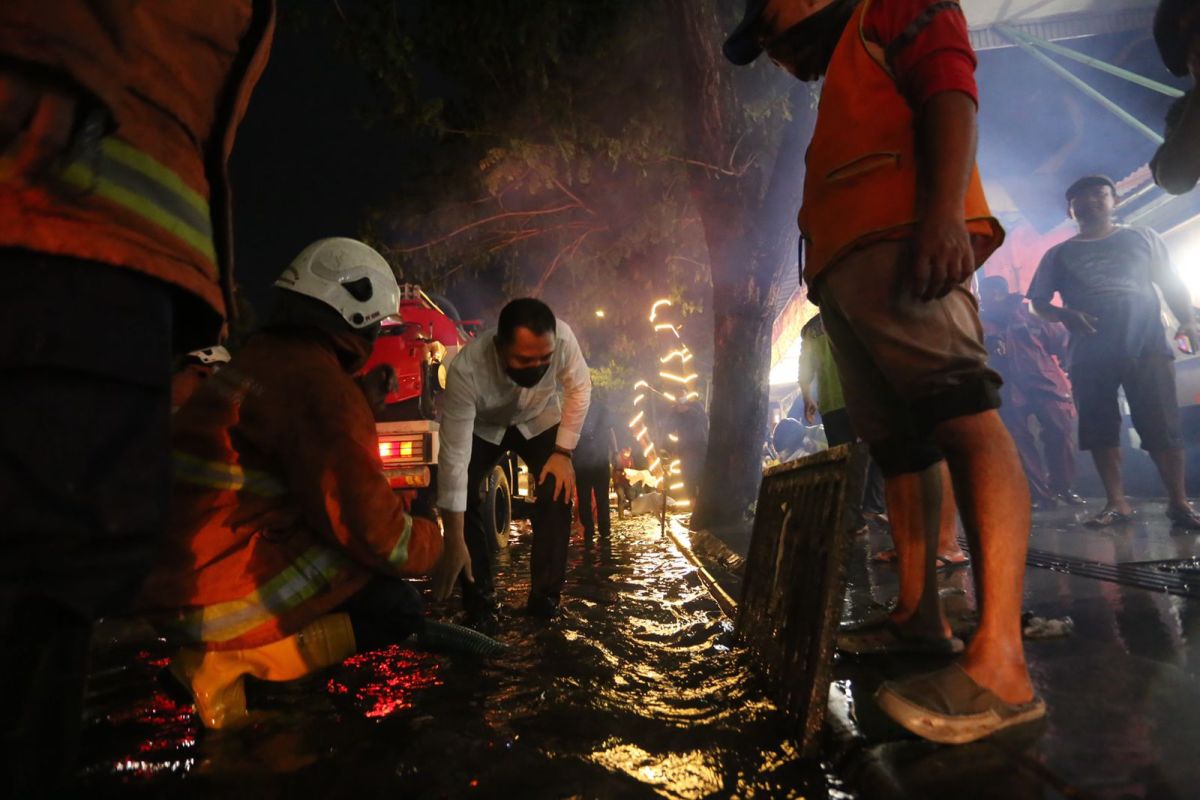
[(116, 123), (286, 544), (894, 223)]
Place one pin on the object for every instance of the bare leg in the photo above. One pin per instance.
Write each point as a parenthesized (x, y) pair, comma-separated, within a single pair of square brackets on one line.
[(914, 503), (948, 547), (993, 498), (1108, 465), (1170, 468)]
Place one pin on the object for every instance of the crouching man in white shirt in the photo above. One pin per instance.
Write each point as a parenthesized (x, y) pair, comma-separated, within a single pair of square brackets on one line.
[(502, 394)]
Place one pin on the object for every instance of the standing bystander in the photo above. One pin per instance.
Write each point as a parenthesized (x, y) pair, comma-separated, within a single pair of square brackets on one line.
[(592, 471), (1107, 276), (894, 223), (1028, 352)]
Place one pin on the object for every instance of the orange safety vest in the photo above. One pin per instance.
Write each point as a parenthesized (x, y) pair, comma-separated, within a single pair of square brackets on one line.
[(860, 183), (163, 87), (279, 510)]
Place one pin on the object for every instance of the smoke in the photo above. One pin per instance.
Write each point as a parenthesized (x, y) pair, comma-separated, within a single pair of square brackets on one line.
[(1038, 133)]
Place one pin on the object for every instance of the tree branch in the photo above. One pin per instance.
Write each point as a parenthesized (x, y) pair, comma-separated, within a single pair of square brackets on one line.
[(477, 223)]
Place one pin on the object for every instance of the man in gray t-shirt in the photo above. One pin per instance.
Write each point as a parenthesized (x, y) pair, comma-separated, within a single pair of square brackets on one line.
[(1106, 277)]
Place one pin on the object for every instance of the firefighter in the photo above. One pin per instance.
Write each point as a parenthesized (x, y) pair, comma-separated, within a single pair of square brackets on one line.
[(117, 120), (198, 366), (895, 223), (286, 546)]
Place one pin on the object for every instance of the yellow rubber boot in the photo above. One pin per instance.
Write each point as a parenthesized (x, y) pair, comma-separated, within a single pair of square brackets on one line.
[(215, 677)]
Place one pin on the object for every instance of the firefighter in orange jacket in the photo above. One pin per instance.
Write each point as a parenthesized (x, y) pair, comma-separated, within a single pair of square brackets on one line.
[(894, 224), (286, 544), (116, 123)]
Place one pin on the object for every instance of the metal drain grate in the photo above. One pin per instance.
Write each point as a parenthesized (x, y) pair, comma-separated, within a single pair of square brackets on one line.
[(794, 578), (1178, 576)]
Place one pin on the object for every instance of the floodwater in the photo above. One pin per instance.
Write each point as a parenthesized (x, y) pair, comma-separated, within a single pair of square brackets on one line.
[(636, 690)]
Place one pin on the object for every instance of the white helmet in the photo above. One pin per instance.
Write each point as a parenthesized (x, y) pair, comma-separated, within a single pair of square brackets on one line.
[(347, 275), (211, 355)]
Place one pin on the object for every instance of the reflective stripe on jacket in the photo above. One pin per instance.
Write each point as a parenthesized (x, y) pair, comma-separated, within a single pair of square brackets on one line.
[(143, 185), (861, 172), (280, 510)]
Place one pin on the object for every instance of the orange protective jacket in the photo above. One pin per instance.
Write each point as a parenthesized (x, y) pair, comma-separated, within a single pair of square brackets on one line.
[(861, 177), (143, 186), (280, 510)]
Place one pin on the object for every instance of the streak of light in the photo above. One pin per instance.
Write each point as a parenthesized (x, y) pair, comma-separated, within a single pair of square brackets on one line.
[(684, 379), (639, 399), (657, 304), (637, 419)]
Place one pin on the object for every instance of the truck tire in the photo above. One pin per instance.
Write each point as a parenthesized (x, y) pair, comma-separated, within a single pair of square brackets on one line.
[(497, 509), (426, 405)]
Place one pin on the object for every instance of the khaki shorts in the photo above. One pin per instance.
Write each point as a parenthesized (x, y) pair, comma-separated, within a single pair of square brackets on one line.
[(906, 365)]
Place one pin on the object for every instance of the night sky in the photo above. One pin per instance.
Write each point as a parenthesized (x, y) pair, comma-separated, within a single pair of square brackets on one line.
[(305, 165)]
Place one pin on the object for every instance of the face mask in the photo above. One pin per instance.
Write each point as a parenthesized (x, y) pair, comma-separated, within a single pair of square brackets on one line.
[(805, 49), (528, 376)]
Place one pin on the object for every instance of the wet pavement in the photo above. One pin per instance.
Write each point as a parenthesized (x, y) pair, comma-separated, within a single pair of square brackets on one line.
[(1121, 688), (639, 691), (635, 691)]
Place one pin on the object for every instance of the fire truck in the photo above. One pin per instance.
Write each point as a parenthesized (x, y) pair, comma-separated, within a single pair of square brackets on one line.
[(419, 346)]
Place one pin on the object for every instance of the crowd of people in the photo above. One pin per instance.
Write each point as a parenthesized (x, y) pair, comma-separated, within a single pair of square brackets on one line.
[(254, 525)]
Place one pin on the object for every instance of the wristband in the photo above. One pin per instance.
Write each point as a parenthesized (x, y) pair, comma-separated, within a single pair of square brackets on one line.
[(562, 451)]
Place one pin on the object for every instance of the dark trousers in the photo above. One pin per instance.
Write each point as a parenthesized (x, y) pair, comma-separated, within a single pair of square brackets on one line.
[(1055, 418), (551, 520), (839, 430), (85, 355), (592, 480), (384, 612)]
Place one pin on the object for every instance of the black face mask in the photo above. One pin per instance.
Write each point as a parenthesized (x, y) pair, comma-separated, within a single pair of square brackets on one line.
[(806, 48), (528, 376)]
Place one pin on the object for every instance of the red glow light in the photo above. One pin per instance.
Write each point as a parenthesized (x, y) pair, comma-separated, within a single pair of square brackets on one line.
[(386, 680)]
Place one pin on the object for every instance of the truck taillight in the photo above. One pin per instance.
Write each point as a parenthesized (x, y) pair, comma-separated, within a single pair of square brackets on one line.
[(405, 448), (389, 450)]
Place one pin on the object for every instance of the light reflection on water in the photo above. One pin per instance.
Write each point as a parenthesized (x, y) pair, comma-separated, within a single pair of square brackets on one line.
[(634, 691)]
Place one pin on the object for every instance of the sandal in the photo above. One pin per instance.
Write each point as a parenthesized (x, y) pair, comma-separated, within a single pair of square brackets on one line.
[(949, 707), (1108, 518), (1184, 518), (880, 636), (945, 564)]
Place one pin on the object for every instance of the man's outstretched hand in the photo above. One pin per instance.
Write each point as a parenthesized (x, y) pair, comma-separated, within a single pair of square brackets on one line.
[(455, 559)]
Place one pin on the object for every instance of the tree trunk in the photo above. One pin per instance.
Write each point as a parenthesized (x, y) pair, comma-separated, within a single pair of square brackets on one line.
[(751, 236)]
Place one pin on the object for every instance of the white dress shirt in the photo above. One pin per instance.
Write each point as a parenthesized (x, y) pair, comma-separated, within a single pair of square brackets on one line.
[(481, 400)]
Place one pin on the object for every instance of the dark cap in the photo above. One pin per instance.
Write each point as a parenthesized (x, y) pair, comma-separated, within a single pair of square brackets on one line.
[(743, 46), (1169, 35), (1087, 182)]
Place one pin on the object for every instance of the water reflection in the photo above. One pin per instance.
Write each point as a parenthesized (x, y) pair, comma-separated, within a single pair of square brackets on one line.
[(635, 691)]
